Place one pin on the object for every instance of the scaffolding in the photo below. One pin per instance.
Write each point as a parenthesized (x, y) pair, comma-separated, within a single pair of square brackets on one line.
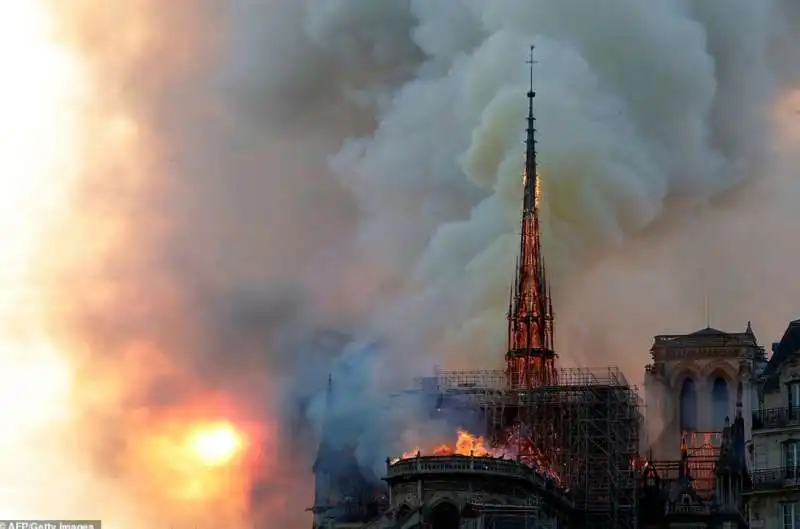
[(585, 429), (703, 452)]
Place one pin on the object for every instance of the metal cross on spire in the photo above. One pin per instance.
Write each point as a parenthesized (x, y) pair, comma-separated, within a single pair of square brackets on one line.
[(531, 61)]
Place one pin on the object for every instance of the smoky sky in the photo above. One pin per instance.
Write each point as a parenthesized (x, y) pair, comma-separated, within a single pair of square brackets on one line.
[(334, 186)]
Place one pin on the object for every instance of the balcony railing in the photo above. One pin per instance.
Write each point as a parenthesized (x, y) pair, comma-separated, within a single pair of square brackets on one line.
[(703, 510), (775, 478), (776, 418)]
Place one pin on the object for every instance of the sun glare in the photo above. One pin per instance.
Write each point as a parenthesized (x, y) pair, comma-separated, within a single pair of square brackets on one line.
[(216, 444), (40, 104)]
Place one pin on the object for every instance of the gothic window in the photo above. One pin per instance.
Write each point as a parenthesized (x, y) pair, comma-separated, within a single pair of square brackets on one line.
[(720, 399), (794, 395), (790, 515), (688, 417)]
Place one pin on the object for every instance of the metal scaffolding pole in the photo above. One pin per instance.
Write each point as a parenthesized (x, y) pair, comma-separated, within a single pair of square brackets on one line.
[(585, 429)]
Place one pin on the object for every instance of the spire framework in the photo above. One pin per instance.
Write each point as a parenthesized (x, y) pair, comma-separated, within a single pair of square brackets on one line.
[(530, 360)]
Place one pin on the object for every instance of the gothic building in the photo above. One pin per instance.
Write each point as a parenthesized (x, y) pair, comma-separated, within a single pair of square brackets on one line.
[(694, 383), (670, 500), (343, 495)]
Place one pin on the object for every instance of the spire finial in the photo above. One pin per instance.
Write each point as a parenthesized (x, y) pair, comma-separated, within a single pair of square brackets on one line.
[(531, 170), (531, 62)]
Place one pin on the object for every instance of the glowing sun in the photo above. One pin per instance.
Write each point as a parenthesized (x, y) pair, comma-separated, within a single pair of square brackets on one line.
[(216, 444)]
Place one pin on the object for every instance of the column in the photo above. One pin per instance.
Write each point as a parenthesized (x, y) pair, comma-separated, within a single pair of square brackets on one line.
[(748, 406), (705, 410)]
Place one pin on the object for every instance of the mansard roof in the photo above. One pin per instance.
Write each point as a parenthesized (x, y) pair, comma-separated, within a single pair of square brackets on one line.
[(782, 352)]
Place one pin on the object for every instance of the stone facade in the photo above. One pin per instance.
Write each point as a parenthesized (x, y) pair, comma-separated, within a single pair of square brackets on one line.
[(774, 499), (694, 383), (463, 492)]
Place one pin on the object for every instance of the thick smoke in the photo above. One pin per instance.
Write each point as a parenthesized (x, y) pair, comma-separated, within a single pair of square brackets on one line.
[(333, 186), (637, 106), (649, 118)]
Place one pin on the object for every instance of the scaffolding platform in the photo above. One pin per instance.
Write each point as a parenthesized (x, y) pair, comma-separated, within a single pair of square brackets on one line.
[(585, 429)]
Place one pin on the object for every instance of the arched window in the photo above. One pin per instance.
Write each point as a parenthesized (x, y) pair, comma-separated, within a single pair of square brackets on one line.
[(720, 402), (445, 516), (688, 417)]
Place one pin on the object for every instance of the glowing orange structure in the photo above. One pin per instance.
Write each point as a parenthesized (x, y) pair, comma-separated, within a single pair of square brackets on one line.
[(530, 360)]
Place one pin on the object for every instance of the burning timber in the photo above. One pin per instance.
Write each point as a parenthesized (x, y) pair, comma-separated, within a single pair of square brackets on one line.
[(585, 431)]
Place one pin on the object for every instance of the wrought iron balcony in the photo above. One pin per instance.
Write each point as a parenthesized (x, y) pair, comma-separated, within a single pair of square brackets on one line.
[(695, 509), (776, 418), (679, 510), (773, 478)]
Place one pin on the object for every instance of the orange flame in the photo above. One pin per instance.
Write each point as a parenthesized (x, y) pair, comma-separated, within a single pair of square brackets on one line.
[(468, 444)]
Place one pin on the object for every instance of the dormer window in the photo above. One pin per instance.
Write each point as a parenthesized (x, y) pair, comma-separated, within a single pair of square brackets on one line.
[(794, 394)]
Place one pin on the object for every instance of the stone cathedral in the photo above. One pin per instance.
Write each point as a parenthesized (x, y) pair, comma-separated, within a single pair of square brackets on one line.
[(695, 383)]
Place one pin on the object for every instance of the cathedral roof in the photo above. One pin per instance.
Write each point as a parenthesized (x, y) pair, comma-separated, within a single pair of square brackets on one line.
[(707, 331), (708, 337)]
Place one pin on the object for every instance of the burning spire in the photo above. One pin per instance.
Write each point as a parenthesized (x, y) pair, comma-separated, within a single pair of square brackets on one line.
[(531, 357)]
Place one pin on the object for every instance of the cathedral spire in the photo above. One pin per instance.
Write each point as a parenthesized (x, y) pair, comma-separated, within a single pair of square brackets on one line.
[(530, 176), (530, 360)]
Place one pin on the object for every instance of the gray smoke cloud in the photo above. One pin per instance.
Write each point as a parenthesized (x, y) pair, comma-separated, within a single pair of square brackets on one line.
[(649, 118), (640, 110), (338, 187)]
